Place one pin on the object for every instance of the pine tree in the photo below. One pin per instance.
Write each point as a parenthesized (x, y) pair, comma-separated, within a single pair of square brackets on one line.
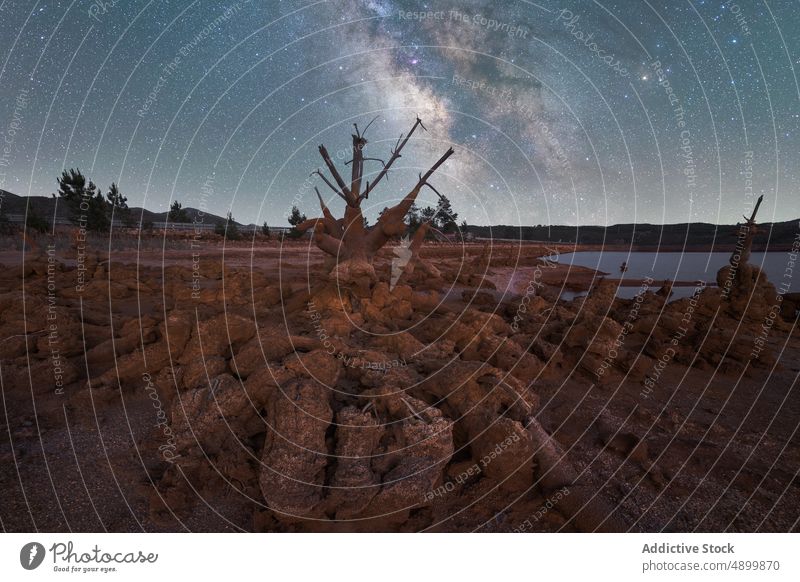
[(177, 213), (232, 229), (445, 216), (72, 186), (88, 207), (428, 214), (413, 218), (296, 218), (228, 229), (115, 197), (265, 230), (119, 205)]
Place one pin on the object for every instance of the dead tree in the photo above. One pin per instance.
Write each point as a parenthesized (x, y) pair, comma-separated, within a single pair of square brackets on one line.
[(352, 245), (738, 277), (749, 230)]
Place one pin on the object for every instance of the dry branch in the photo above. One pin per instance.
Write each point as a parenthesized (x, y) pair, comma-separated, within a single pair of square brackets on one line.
[(347, 195), (401, 143)]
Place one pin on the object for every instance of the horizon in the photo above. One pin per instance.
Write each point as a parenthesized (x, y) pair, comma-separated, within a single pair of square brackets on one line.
[(498, 225)]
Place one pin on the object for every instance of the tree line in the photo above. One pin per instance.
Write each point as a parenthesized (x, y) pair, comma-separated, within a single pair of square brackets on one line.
[(88, 206), (441, 218), (92, 209)]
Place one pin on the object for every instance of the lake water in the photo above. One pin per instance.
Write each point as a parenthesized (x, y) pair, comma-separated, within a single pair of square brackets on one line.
[(691, 267)]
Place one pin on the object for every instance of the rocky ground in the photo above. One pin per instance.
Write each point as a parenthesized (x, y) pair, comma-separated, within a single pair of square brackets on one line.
[(233, 388)]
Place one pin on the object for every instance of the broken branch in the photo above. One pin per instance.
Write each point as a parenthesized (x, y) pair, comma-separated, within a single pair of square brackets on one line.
[(395, 154), (348, 196), (328, 182)]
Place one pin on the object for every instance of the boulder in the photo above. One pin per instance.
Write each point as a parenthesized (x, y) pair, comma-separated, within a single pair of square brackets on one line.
[(354, 482), (295, 453)]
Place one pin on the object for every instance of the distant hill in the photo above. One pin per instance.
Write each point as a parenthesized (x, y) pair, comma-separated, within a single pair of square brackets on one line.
[(778, 235), (48, 208), (686, 236)]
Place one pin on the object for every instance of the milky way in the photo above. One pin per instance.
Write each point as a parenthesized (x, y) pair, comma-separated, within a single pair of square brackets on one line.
[(560, 112)]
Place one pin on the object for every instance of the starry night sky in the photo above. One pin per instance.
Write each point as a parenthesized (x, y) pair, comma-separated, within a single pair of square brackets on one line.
[(558, 111)]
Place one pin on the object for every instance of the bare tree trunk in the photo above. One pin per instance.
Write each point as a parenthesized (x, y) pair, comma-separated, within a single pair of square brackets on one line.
[(752, 230)]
